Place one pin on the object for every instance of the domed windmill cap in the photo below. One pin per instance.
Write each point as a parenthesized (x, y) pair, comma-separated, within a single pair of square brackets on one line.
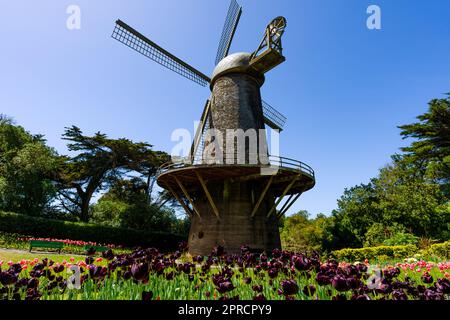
[(236, 63)]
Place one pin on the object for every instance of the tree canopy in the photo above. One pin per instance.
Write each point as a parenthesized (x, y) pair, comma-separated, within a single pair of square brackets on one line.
[(26, 167), (100, 160), (407, 201)]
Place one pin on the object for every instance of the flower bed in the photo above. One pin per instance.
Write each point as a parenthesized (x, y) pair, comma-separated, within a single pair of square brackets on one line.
[(16, 241), (149, 274)]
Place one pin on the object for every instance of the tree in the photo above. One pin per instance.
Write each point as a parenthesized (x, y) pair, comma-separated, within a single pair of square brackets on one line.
[(431, 150), (357, 211), (26, 166), (408, 200), (300, 233), (98, 162), (126, 205)]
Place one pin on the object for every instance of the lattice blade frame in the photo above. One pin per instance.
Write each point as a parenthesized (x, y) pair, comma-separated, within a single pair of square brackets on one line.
[(228, 31), (136, 41)]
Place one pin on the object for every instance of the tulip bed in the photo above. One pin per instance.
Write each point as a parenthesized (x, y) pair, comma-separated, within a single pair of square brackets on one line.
[(16, 241), (149, 274)]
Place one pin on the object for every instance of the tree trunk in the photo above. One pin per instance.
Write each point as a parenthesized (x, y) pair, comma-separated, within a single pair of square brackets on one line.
[(84, 213)]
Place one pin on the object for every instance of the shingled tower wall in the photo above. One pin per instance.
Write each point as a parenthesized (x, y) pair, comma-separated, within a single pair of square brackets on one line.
[(235, 104)]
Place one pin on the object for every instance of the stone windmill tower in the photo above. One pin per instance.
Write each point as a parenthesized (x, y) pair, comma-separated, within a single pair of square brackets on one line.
[(231, 188)]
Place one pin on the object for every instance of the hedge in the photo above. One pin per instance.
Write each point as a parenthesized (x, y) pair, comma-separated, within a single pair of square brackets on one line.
[(441, 250), (397, 252), (48, 228)]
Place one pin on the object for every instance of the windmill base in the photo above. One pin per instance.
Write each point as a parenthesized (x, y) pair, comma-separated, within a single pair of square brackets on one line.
[(235, 226)]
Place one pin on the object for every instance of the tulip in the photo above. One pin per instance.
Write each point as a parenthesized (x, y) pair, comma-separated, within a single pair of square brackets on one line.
[(218, 251), (427, 278), (322, 279), (33, 283), (273, 273), (289, 287), (139, 271), (360, 297), (147, 295), (399, 295), (259, 297), (257, 288), (108, 255), (309, 290), (58, 268), (340, 283), (225, 286), (8, 278)]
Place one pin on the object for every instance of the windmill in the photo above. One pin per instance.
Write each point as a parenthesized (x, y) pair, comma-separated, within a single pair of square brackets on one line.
[(230, 203)]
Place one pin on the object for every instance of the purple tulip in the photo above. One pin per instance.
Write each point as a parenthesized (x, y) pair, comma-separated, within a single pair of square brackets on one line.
[(225, 286), (399, 295), (259, 297), (340, 283), (289, 287), (309, 290), (322, 279), (257, 288), (273, 273), (427, 278), (147, 295), (139, 271), (7, 278)]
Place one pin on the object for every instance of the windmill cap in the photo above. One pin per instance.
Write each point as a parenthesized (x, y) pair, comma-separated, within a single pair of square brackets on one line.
[(236, 63)]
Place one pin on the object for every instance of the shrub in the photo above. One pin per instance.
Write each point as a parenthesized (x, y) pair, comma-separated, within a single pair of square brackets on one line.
[(47, 228), (401, 238), (441, 250), (398, 252), (378, 233)]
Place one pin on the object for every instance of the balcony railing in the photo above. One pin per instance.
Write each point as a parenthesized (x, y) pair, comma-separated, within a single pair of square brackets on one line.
[(274, 161)]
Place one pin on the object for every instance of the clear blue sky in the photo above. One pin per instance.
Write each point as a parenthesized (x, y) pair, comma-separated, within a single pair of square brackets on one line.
[(344, 88)]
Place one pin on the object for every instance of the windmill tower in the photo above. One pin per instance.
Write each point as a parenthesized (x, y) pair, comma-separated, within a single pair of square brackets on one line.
[(226, 186)]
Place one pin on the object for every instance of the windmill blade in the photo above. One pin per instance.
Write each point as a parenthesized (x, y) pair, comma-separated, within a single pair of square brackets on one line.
[(136, 41), (199, 138), (272, 117), (229, 28)]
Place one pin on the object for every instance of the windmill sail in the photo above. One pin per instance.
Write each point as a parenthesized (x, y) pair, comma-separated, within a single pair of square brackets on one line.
[(136, 41), (198, 143), (229, 28)]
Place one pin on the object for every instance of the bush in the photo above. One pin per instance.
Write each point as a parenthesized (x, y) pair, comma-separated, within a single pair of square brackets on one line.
[(47, 228), (397, 252), (378, 233), (11, 240), (401, 238), (441, 250)]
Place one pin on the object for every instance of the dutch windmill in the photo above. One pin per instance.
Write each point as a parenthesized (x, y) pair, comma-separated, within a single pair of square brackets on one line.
[(230, 204)]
